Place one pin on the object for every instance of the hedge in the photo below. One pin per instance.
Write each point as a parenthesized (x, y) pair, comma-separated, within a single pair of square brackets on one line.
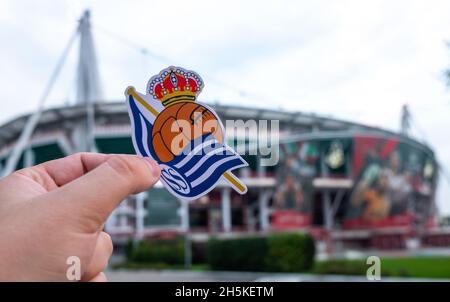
[(283, 252), (413, 266), (290, 253), (156, 251), (245, 254)]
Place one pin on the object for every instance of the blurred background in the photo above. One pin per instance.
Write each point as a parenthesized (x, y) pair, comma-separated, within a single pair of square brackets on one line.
[(360, 90)]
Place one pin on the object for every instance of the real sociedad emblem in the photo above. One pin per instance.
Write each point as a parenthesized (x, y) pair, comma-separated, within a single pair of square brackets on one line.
[(186, 138)]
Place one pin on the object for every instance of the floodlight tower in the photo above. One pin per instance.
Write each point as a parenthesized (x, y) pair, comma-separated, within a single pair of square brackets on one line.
[(405, 123)]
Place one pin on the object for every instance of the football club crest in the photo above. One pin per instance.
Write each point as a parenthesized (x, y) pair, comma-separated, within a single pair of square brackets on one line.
[(186, 138)]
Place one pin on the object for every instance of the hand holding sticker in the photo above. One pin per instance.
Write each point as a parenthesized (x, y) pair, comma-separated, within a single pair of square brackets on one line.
[(185, 138)]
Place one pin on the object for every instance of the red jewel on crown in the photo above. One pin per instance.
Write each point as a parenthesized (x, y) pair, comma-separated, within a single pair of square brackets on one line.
[(175, 84)]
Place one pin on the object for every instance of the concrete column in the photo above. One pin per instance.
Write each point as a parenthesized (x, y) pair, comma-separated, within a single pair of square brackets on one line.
[(261, 169), (122, 216), (140, 213), (226, 210), (263, 203), (123, 225), (28, 157), (184, 215), (327, 210), (111, 222)]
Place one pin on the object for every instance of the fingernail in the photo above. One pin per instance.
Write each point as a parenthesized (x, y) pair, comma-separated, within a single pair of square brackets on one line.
[(154, 168)]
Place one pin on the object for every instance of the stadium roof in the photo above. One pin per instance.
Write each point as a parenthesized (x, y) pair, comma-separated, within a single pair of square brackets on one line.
[(116, 113)]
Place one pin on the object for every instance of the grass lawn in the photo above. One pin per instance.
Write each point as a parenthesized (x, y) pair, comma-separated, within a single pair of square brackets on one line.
[(419, 267), (159, 266)]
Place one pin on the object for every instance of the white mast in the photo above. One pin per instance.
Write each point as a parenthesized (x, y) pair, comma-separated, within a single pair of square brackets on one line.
[(88, 92), (88, 87), (405, 122)]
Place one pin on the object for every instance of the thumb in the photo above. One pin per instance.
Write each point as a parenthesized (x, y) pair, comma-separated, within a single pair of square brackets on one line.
[(90, 199)]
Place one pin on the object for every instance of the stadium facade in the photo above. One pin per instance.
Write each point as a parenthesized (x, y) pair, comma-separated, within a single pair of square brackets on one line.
[(348, 184)]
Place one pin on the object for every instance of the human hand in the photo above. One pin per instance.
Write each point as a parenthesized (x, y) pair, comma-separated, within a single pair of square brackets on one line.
[(57, 209)]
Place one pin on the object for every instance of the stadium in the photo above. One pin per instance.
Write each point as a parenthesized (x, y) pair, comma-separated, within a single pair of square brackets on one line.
[(350, 185), (329, 179)]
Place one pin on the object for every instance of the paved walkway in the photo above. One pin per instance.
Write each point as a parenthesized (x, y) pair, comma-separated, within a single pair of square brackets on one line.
[(205, 276)]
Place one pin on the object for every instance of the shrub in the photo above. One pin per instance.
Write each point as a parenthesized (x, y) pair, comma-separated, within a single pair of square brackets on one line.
[(290, 253), (157, 251), (199, 252), (128, 249), (237, 254), (287, 252)]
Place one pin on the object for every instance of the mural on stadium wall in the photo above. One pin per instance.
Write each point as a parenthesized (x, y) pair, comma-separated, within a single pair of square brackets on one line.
[(292, 200), (393, 181)]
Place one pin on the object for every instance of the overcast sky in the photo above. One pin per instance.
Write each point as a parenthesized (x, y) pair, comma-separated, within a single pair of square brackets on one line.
[(354, 60)]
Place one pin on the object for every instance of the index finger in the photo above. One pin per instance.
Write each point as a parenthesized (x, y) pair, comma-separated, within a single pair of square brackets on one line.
[(58, 172)]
